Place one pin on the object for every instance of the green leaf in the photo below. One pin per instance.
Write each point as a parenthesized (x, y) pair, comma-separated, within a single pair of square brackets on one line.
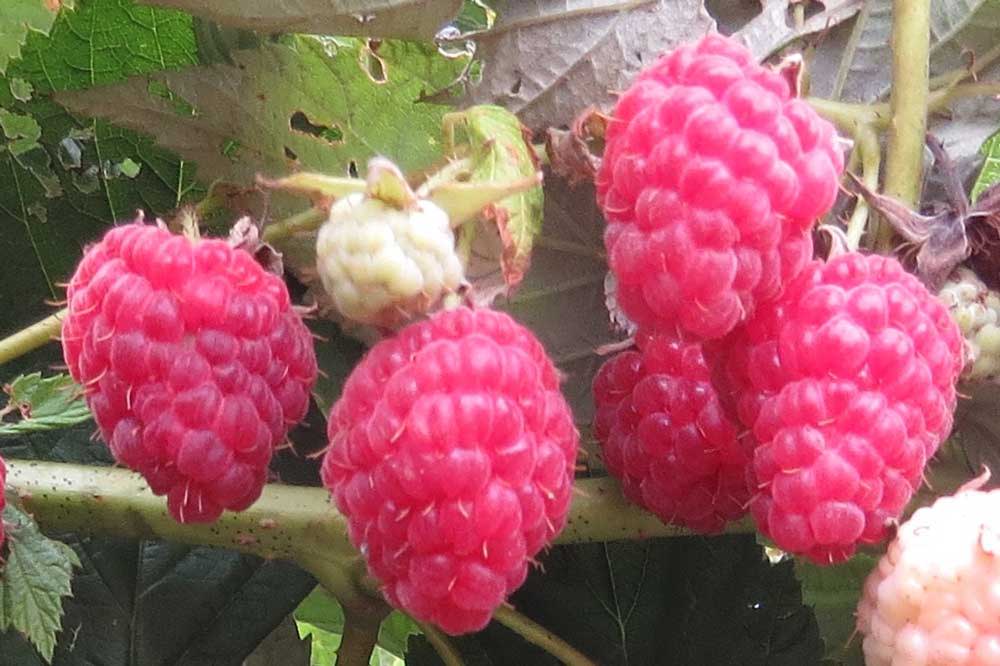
[(277, 108), (990, 173), (36, 577), (395, 631), (500, 151), (17, 18), (404, 19), (833, 593), (43, 404)]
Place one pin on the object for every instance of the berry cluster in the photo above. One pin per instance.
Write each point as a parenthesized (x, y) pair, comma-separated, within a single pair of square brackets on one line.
[(193, 362), (811, 392)]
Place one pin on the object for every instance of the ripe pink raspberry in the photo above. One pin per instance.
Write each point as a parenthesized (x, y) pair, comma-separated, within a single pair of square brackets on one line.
[(711, 179), (853, 400), (668, 437), (193, 363), (451, 454), (934, 598)]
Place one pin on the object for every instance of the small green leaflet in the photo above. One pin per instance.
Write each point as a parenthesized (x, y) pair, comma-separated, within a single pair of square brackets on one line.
[(36, 577), (990, 172), (501, 152), (42, 404), (320, 617)]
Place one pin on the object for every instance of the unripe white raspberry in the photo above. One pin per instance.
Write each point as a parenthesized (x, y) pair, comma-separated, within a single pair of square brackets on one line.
[(379, 262), (976, 309), (934, 598)]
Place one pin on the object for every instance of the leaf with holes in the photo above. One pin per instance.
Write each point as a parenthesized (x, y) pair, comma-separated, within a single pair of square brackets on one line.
[(500, 150), (76, 176), (43, 404), (549, 59), (403, 19), (321, 104), (18, 18), (36, 578)]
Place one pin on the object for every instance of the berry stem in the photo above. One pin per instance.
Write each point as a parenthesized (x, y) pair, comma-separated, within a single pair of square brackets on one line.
[(31, 338), (107, 500), (535, 633), (870, 155), (442, 645), (908, 106), (307, 220), (358, 640)]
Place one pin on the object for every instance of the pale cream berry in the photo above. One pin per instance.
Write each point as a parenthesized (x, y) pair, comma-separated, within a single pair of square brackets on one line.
[(976, 310), (378, 262), (934, 598)]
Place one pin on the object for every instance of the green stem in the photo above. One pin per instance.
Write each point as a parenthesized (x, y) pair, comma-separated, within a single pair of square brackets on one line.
[(290, 522), (870, 155), (31, 338), (534, 633), (908, 105), (442, 645)]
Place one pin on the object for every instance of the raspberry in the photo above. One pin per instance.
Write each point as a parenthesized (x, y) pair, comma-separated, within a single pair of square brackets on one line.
[(379, 262), (451, 454), (711, 179), (853, 400), (193, 363), (667, 436), (976, 310), (934, 598)]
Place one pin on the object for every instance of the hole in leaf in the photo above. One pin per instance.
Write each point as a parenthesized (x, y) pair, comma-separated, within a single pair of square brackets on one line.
[(177, 104), (69, 153), (371, 63), (299, 122), (290, 154)]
